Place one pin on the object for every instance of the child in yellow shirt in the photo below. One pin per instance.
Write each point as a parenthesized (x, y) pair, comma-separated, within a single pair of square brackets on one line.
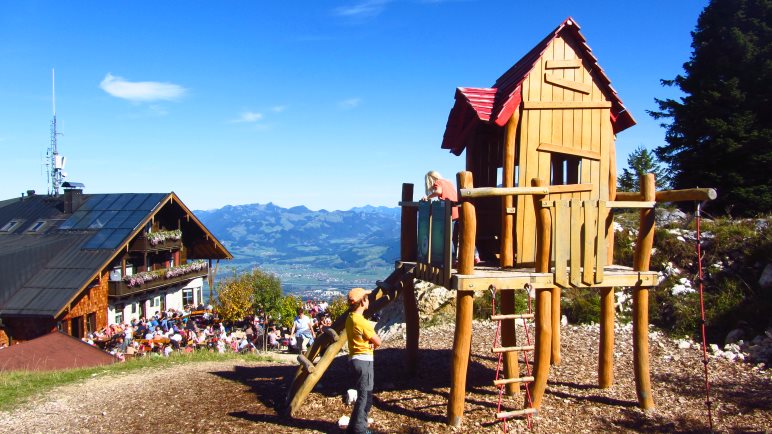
[(362, 340)]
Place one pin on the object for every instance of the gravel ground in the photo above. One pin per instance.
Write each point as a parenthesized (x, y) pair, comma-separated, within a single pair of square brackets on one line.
[(235, 396)]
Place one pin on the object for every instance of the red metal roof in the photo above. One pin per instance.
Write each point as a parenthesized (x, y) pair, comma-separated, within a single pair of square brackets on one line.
[(506, 93), (52, 352)]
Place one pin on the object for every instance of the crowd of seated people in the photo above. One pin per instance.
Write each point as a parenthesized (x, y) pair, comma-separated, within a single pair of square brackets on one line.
[(199, 328)]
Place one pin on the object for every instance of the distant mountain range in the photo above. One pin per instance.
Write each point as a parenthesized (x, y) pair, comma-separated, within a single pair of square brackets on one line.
[(356, 242)]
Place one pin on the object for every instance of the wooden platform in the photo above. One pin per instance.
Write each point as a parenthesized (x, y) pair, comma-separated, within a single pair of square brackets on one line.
[(486, 275)]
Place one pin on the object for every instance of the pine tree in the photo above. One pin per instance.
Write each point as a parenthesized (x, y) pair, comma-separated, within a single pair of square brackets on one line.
[(719, 133), (641, 162)]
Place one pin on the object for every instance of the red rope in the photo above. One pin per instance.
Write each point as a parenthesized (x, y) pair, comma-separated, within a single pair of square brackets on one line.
[(501, 357), (702, 318)]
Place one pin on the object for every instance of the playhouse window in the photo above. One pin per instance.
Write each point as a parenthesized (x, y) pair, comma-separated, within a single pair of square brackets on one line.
[(565, 169)]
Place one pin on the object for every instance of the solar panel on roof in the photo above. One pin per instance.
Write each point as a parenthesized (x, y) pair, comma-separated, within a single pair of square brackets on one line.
[(107, 202), (86, 221), (115, 239), (133, 220), (120, 203), (114, 216), (151, 201), (136, 201), (91, 202), (73, 220), (118, 219), (102, 220), (98, 238)]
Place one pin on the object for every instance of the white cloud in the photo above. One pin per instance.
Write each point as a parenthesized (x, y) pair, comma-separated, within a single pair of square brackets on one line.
[(363, 9), (248, 117), (140, 91), (279, 108), (350, 103)]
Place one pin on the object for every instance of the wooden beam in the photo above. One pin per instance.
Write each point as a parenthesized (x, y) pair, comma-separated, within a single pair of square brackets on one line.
[(630, 204), (690, 194), (584, 88), (569, 150), (480, 283), (557, 105), (499, 191), (569, 188), (563, 64)]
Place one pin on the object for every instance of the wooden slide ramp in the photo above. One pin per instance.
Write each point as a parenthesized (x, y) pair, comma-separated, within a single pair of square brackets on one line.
[(315, 361)]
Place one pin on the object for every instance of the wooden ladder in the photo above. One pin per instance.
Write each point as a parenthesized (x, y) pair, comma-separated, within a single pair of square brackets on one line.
[(315, 361), (498, 348)]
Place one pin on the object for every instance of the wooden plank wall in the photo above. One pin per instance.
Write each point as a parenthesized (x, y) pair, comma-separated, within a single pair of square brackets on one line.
[(583, 123)]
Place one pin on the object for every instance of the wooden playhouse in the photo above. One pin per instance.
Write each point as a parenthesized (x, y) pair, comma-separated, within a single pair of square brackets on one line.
[(537, 200)]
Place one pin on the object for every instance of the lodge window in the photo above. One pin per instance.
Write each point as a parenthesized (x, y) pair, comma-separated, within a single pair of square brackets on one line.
[(565, 169), (133, 307), (37, 226), (11, 225), (187, 297), (162, 302), (119, 316), (76, 327), (91, 322)]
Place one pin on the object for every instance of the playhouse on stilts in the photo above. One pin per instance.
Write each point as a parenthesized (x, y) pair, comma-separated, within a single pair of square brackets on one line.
[(537, 200)]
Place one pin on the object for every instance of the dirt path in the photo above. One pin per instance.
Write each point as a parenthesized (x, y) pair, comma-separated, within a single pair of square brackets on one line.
[(234, 396)]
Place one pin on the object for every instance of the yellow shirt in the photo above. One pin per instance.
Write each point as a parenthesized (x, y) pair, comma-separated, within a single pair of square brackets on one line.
[(359, 331)]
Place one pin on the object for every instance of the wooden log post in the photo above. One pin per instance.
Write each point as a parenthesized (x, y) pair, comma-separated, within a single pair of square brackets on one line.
[(408, 241), (555, 294), (641, 298), (408, 253), (411, 324), (462, 339), (507, 253), (606, 347), (506, 248), (543, 317)]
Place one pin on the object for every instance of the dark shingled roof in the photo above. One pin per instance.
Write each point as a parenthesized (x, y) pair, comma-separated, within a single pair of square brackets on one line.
[(42, 271)]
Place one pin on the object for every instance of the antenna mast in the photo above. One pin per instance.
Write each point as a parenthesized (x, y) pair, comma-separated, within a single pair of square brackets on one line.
[(56, 163)]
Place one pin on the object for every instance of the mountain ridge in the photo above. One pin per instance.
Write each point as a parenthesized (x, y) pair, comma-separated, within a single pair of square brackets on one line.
[(308, 245)]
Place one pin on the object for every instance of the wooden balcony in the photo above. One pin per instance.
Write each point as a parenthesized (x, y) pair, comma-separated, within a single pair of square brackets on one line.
[(122, 289), (142, 244)]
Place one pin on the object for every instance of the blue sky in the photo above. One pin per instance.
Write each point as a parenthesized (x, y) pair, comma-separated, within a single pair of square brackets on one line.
[(325, 104)]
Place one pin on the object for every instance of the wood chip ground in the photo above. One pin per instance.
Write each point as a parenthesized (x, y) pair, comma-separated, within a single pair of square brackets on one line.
[(239, 397)]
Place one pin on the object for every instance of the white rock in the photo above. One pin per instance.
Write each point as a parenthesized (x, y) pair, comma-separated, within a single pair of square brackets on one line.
[(683, 344)]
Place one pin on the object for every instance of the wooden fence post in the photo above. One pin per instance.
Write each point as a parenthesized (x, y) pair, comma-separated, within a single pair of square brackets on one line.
[(641, 297), (462, 340), (543, 319)]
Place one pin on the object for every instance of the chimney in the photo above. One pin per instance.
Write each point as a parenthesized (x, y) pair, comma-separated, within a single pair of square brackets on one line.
[(73, 199), (30, 192)]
